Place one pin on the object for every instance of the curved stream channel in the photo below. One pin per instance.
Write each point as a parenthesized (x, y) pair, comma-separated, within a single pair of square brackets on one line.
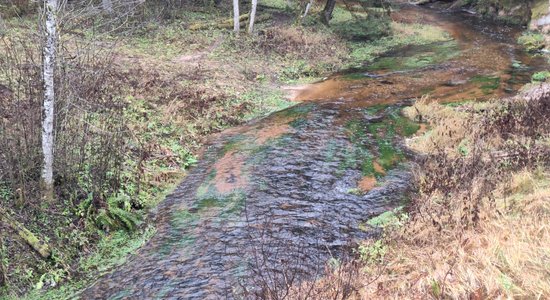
[(277, 198)]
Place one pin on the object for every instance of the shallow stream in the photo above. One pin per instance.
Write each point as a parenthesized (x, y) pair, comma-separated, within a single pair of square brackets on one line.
[(275, 199)]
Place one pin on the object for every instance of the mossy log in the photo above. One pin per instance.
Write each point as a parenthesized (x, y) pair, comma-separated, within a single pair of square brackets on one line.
[(40, 246), (227, 23), (421, 2)]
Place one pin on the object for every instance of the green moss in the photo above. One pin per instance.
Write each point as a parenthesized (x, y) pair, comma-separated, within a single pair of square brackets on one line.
[(355, 76), (182, 219), (486, 83), (418, 57), (375, 109), (208, 202), (296, 111), (540, 9), (532, 41), (375, 141), (236, 143), (389, 156), (405, 126), (298, 123), (541, 76), (266, 101), (404, 35), (394, 217)]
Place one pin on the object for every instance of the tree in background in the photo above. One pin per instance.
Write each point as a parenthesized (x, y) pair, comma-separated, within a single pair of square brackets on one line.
[(326, 15), (236, 23), (252, 15), (51, 7)]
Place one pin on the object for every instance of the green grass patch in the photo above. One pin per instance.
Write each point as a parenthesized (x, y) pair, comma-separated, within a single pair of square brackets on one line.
[(487, 84), (403, 35), (418, 57), (112, 251), (394, 217), (532, 41), (541, 76), (265, 101)]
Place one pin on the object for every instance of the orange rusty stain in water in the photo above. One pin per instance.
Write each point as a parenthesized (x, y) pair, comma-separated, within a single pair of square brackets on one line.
[(378, 168), (229, 173), (271, 132), (367, 183)]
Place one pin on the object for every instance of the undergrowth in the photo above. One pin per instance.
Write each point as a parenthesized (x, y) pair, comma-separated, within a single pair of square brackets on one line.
[(477, 226), (137, 97)]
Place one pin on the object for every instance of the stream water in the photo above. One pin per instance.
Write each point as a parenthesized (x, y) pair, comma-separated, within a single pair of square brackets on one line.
[(275, 199)]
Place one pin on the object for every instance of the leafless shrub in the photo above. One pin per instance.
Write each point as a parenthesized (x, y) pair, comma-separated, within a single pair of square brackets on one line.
[(506, 138), (291, 268), (298, 41), (20, 113)]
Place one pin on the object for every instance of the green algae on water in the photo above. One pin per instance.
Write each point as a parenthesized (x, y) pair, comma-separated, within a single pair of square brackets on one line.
[(420, 57), (487, 84), (375, 148)]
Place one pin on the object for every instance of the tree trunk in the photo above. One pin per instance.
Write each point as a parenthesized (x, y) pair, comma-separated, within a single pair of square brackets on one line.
[(3, 271), (326, 15), (51, 7), (107, 6), (2, 26), (236, 23), (227, 23), (306, 10), (252, 15)]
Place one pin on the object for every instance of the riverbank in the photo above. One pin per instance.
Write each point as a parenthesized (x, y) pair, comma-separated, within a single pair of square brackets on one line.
[(244, 224), (175, 87), (477, 225)]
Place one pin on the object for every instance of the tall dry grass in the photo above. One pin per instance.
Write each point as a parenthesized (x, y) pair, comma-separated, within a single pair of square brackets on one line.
[(478, 226)]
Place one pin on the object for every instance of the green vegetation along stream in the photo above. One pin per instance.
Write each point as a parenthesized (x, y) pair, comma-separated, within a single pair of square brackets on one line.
[(275, 199)]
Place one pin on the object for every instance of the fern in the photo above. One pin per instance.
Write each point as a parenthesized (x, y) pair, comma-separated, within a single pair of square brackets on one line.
[(115, 218), (126, 219)]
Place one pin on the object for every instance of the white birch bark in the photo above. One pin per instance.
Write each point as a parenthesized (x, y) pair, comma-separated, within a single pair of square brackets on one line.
[(107, 5), (51, 7), (252, 16), (308, 6), (236, 23)]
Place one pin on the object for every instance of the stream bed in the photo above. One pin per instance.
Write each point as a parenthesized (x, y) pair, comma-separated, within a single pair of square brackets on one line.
[(277, 198)]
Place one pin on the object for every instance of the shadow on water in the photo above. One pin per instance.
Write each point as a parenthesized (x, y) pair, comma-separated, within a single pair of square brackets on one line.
[(275, 199)]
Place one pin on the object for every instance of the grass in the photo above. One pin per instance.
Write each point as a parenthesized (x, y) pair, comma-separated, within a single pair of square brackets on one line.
[(540, 9), (541, 76), (532, 41), (112, 251), (487, 83), (403, 35), (435, 248), (179, 86), (440, 52), (393, 217), (505, 256)]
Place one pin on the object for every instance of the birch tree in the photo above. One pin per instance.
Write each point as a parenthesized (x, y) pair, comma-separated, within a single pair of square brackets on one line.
[(252, 16), (306, 10), (236, 23), (51, 7)]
